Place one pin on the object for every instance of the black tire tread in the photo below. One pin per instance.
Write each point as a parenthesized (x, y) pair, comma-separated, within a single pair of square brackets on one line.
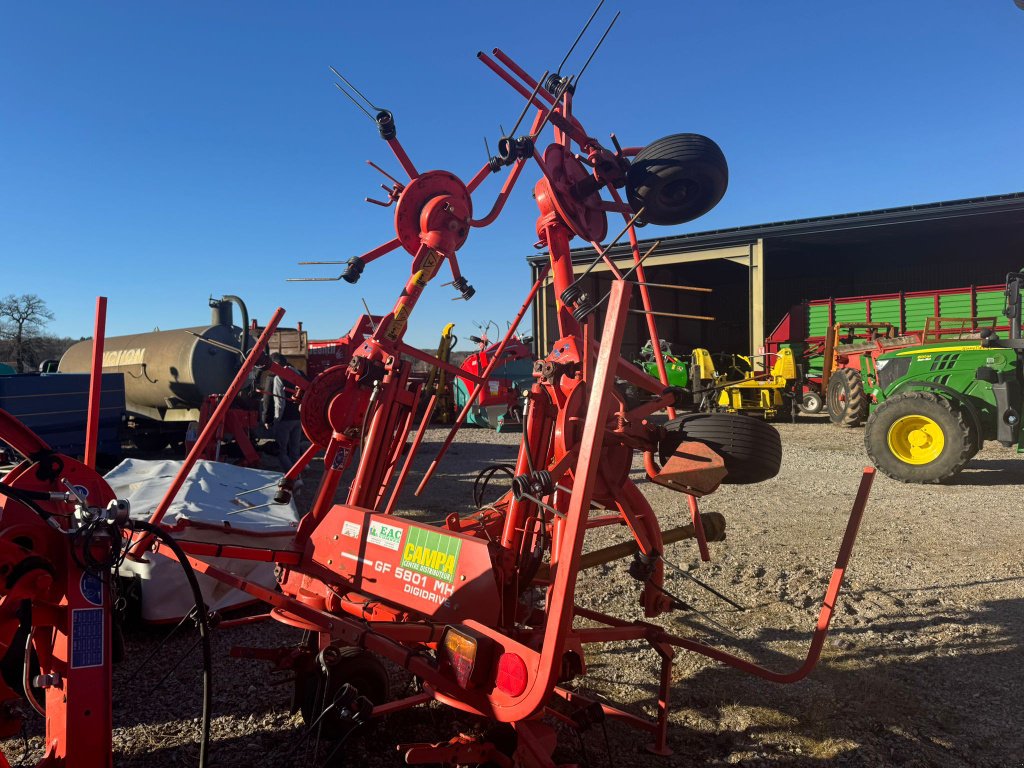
[(812, 411), (855, 411), (752, 449), (960, 442), (666, 156)]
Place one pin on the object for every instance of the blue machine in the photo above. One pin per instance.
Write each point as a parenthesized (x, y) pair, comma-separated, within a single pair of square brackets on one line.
[(55, 407)]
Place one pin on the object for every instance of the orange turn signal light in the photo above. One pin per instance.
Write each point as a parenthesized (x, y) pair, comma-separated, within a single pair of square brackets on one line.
[(466, 653)]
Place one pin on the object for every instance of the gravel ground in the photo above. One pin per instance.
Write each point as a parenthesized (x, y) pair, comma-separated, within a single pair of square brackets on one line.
[(923, 666)]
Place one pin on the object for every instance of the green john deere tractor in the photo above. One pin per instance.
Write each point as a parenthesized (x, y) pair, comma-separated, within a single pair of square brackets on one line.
[(936, 404)]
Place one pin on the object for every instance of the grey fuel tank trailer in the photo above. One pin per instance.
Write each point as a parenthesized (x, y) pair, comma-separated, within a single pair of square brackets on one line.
[(168, 374)]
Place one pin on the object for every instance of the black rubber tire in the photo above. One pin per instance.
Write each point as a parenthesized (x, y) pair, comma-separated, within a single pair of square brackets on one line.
[(677, 178), (957, 436), (360, 669), (752, 449), (976, 439), (812, 402), (845, 399)]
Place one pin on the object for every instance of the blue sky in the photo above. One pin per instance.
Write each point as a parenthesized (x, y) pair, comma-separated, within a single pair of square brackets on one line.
[(158, 153)]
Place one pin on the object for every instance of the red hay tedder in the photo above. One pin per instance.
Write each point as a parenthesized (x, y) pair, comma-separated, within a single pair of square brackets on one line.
[(453, 604)]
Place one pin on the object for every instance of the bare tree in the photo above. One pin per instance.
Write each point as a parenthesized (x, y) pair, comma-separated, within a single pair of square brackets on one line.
[(22, 319)]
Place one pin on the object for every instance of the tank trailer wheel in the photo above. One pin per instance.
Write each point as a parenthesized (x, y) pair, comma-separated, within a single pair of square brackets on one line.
[(677, 178), (320, 693), (919, 437), (752, 449), (812, 402), (845, 399)]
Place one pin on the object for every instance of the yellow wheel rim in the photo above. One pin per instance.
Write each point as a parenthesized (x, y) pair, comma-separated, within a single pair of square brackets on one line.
[(916, 439)]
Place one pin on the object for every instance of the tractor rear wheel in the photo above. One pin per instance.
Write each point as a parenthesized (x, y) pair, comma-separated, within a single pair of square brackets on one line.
[(919, 437), (752, 449), (677, 178), (845, 399)]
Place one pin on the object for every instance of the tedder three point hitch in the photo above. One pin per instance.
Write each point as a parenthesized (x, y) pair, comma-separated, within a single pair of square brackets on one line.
[(456, 604)]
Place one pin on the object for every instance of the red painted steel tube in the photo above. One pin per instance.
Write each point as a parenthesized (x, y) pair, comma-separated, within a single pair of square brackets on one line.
[(565, 560), (572, 127), (824, 615), (520, 89), (645, 299), (521, 73), (632, 374), (477, 180), (92, 425), (698, 528), (243, 621), (398, 705), (479, 387), (211, 428), (19, 437), (531, 83), (506, 188), (557, 235), (307, 456), (398, 444), (613, 712), (429, 359), (411, 454), (403, 158), (499, 203), (380, 250), (606, 259), (240, 552)]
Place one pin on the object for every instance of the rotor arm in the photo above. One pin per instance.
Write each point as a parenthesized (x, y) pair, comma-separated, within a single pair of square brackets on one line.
[(570, 125)]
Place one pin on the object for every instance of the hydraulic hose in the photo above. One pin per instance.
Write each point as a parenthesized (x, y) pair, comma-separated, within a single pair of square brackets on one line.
[(204, 628)]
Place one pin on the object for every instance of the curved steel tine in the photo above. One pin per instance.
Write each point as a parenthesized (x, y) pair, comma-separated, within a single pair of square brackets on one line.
[(360, 93), (578, 38)]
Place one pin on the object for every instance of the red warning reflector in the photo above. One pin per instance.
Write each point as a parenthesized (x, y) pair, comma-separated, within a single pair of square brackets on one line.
[(512, 675)]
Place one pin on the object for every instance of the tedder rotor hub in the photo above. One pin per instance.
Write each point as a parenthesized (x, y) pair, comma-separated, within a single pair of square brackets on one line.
[(316, 401), (567, 190), (435, 208)]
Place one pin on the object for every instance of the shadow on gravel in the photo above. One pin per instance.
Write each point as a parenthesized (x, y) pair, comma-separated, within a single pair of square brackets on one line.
[(991, 472), (966, 716)]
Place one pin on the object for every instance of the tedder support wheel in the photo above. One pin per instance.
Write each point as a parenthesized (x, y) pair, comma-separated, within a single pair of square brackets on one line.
[(919, 437), (812, 402), (316, 691), (845, 400), (752, 449), (677, 178)]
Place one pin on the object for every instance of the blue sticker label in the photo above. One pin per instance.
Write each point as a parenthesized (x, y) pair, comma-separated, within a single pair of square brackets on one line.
[(339, 459), (92, 589), (86, 638), (81, 490)]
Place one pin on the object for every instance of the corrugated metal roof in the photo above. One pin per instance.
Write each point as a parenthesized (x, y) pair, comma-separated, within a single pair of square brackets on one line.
[(975, 206)]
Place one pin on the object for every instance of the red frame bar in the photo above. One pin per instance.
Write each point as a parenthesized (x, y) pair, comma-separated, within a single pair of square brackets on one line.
[(211, 428), (92, 426), (479, 387)]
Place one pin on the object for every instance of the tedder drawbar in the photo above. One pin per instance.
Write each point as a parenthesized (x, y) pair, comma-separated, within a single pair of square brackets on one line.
[(454, 603)]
